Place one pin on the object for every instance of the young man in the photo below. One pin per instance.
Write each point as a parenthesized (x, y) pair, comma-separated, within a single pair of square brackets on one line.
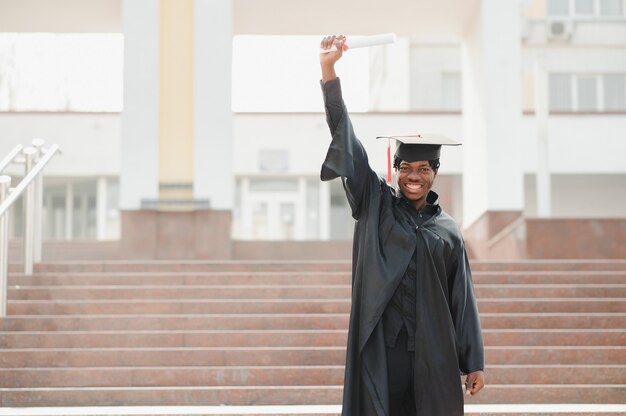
[(414, 325)]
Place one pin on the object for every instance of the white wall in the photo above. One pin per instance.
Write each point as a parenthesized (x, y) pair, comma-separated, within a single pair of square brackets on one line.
[(590, 32), (579, 144), (90, 142), (581, 196), (579, 59), (592, 143), (306, 137)]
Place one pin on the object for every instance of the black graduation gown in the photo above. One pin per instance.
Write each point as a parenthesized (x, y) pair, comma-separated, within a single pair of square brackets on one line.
[(448, 334)]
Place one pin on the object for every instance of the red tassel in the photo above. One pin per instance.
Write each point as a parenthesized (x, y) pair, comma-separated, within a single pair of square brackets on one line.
[(389, 161)]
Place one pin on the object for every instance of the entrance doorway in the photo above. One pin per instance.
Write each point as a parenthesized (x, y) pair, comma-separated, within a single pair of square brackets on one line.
[(274, 216)]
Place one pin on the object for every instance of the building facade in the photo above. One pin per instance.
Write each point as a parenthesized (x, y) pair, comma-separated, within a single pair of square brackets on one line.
[(195, 104)]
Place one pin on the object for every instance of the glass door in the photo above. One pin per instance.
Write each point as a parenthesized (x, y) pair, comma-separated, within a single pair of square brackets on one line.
[(273, 216)]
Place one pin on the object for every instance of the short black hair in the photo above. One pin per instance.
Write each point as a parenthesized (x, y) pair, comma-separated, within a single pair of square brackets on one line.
[(434, 164)]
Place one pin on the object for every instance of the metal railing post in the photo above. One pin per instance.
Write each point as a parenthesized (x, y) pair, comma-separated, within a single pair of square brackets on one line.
[(37, 223), (30, 154), (5, 183)]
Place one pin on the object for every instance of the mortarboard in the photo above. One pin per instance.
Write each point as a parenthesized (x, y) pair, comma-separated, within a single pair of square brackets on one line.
[(414, 147)]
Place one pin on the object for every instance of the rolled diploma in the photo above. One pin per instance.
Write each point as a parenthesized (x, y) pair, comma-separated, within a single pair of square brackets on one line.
[(364, 41)]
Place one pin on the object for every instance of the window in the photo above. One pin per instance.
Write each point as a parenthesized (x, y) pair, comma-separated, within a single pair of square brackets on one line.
[(558, 7), (588, 92), (451, 91), (585, 8), (61, 72), (273, 160), (611, 7), (341, 222), (560, 92), (614, 92), (435, 78)]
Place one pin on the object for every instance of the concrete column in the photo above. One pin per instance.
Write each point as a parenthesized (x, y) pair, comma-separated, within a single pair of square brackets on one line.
[(492, 111), (300, 214), (246, 210), (69, 210), (213, 147), (101, 208), (324, 210), (140, 118), (544, 192)]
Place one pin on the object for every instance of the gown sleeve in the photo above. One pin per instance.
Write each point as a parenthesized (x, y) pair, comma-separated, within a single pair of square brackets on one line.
[(346, 157), (464, 312)]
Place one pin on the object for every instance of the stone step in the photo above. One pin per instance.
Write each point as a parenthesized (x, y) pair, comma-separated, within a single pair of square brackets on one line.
[(194, 306), (551, 393), (552, 320), (289, 321), (294, 356), (564, 337), (140, 357), (550, 305), (177, 338), (201, 266), (280, 375), (549, 277), (208, 333), (172, 376), (314, 265), (544, 410), (160, 322), (295, 278), (548, 265), (284, 338), (291, 292), (286, 395), (249, 306), (485, 291), (310, 410)]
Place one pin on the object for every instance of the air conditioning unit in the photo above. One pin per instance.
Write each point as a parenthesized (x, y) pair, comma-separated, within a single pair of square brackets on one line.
[(559, 29)]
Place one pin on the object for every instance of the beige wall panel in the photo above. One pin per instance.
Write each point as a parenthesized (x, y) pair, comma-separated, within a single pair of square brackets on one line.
[(60, 16), (176, 91), (528, 91), (404, 17), (535, 9)]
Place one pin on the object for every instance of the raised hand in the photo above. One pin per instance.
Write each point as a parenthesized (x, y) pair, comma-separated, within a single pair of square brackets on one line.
[(327, 60)]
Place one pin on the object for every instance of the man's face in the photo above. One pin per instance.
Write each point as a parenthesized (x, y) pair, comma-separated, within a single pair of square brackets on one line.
[(415, 179)]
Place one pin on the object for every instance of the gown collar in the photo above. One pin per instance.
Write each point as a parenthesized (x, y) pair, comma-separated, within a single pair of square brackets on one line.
[(432, 202)]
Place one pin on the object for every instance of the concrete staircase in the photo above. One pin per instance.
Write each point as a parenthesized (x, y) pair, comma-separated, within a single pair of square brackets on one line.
[(273, 333)]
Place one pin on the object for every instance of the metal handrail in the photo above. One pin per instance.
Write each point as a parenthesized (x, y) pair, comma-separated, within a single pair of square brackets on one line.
[(17, 191), (9, 158), (35, 159)]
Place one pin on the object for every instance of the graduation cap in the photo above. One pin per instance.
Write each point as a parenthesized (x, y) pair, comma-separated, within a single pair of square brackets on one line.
[(415, 147)]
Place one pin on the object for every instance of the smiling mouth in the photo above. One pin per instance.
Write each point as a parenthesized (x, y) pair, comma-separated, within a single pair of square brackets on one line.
[(414, 186)]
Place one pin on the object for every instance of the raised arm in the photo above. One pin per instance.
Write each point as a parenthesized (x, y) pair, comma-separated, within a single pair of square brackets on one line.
[(346, 157)]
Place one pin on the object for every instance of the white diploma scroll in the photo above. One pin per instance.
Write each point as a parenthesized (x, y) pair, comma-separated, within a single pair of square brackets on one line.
[(353, 42)]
